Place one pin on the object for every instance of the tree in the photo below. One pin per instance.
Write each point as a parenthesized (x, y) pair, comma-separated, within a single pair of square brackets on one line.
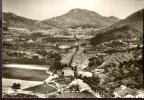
[(16, 86), (43, 53), (35, 57), (53, 59)]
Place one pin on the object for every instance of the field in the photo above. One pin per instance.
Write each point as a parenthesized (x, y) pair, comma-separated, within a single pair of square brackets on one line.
[(24, 74), (7, 83), (42, 88), (77, 95)]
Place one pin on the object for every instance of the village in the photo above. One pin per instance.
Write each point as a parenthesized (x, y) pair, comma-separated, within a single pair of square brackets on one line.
[(78, 75), (72, 49)]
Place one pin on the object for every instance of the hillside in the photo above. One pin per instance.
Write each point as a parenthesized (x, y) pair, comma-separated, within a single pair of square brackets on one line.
[(80, 17), (129, 27), (120, 68), (14, 20), (73, 19)]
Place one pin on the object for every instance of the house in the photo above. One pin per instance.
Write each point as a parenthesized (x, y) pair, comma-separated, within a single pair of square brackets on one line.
[(17, 29), (8, 40), (84, 64), (124, 91), (36, 55), (133, 45), (140, 95), (98, 70), (30, 41), (83, 86), (64, 47), (102, 78), (67, 71), (50, 44), (129, 96), (100, 54), (87, 74)]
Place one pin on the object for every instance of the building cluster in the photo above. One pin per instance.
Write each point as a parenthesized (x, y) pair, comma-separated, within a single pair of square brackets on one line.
[(125, 92)]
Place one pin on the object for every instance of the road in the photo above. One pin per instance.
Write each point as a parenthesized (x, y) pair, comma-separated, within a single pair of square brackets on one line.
[(96, 90)]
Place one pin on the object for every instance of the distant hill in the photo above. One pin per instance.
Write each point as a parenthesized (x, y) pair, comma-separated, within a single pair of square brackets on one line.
[(126, 28), (80, 17), (14, 20), (73, 19)]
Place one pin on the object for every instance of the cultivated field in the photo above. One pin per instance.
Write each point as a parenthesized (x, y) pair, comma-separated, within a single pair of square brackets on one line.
[(42, 88), (24, 74)]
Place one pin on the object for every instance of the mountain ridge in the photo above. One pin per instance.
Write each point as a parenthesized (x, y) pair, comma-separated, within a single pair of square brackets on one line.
[(80, 17), (14, 20), (131, 25), (74, 18)]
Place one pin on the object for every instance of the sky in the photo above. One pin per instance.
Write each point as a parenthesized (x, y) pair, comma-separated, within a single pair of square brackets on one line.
[(45, 9)]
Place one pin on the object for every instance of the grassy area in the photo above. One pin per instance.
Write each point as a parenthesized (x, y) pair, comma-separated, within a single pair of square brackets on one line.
[(42, 88), (7, 83), (24, 74), (76, 95)]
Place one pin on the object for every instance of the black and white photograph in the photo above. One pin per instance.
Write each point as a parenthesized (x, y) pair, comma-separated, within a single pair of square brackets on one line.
[(72, 49)]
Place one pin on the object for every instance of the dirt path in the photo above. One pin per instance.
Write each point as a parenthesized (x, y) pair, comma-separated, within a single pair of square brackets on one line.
[(72, 57)]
